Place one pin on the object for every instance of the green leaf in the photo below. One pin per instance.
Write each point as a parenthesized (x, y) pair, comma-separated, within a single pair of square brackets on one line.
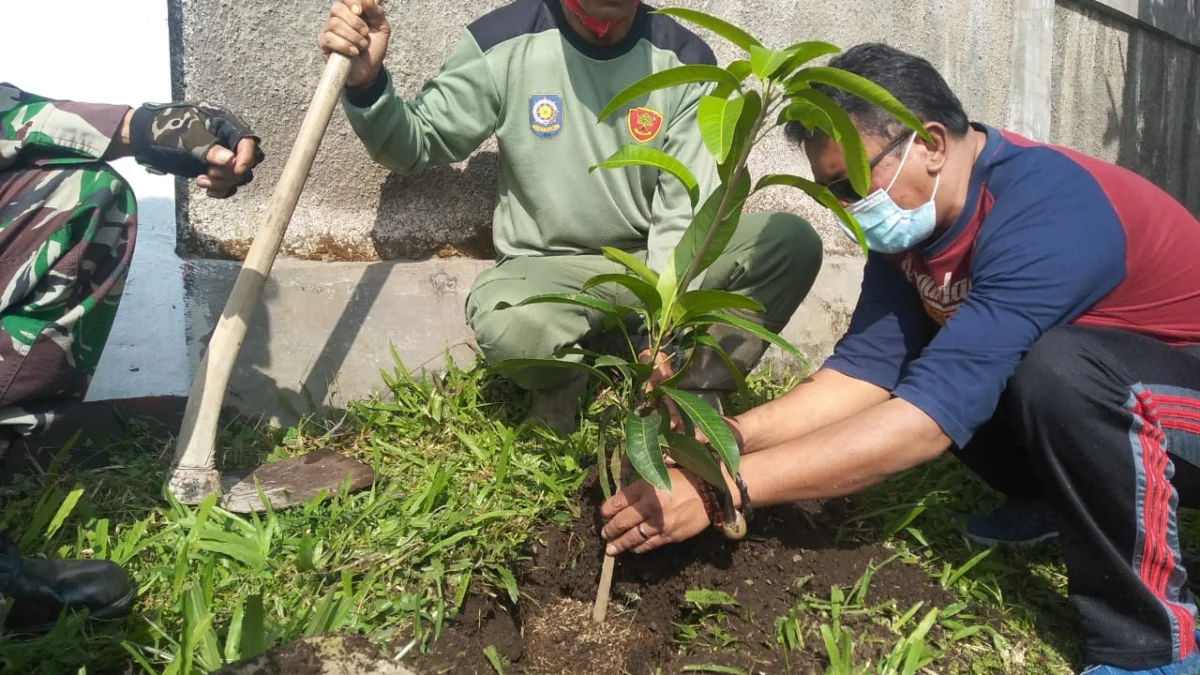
[(644, 291), (642, 155), (709, 420), (709, 598), (866, 90), (739, 380), (631, 263), (749, 327), (199, 636), (741, 135), (688, 255), (668, 78), (740, 69), (254, 634), (822, 195), (721, 27), (703, 301), (578, 300), (808, 114), (713, 668), (232, 545), (857, 164), (493, 657), (641, 445), (765, 62), (64, 511), (693, 456), (641, 370), (803, 52), (509, 582), (718, 120), (509, 365)]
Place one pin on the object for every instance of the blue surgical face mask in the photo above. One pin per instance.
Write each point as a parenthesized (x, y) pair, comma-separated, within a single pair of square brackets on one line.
[(887, 228)]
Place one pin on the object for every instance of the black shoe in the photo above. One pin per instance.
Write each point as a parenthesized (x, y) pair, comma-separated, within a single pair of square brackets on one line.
[(38, 590), (1017, 523)]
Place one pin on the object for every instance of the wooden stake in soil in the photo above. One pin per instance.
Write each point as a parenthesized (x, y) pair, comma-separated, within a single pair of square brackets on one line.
[(600, 608)]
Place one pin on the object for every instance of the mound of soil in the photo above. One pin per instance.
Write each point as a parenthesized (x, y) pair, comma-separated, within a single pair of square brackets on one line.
[(551, 630)]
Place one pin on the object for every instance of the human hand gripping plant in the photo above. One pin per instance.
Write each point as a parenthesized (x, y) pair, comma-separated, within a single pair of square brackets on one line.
[(749, 98)]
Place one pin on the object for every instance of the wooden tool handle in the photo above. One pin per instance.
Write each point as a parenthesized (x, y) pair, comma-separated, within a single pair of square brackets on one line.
[(193, 474)]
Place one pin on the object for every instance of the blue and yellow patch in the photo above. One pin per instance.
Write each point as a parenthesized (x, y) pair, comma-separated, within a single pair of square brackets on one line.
[(545, 115)]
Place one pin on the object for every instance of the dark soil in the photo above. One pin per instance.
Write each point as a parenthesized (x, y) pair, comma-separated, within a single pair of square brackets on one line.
[(551, 631)]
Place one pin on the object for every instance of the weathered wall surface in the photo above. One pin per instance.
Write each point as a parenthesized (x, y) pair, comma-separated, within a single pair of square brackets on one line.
[(261, 59), (1128, 93)]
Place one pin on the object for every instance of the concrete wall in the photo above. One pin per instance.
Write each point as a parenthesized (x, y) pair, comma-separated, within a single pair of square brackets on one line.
[(262, 60), (1127, 92), (372, 259)]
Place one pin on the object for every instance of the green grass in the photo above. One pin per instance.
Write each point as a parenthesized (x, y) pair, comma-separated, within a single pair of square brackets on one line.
[(460, 489), (1031, 627)]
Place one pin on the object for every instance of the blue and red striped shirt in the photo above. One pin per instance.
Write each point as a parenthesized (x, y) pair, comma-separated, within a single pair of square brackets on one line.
[(1048, 237)]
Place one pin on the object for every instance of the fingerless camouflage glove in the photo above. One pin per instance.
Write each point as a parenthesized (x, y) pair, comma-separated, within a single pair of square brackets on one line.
[(175, 138)]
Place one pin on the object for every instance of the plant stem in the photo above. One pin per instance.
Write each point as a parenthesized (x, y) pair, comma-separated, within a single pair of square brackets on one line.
[(602, 460), (734, 177)]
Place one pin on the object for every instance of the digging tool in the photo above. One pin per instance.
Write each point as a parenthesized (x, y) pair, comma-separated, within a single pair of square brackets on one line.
[(291, 481)]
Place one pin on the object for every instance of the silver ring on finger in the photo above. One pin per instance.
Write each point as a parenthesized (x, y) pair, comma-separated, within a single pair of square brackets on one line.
[(645, 537)]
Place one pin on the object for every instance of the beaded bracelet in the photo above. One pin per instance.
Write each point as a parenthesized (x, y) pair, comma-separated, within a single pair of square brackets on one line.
[(712, 503)]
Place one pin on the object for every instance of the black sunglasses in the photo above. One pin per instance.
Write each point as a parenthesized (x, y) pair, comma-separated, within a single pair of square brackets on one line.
[(844, 190)]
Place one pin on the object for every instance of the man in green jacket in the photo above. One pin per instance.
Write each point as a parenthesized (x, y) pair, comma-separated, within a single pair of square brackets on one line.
[(535, 74)]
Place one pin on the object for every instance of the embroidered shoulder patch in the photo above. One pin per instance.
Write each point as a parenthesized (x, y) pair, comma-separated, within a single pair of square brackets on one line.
[(644, 124), (545, 115)]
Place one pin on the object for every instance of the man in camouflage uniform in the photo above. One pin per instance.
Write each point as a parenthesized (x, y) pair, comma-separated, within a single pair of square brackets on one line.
[(67, 228)]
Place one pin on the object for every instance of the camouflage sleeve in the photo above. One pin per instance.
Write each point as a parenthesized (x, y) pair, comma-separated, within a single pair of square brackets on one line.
[(38, 130)]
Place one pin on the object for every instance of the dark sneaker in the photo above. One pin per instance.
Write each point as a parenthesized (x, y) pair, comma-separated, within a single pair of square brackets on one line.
[(39, 589), (1014, 523), (1188, 666)]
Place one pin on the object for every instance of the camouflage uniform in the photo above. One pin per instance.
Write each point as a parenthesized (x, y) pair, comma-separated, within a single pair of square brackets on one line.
[(68, 223), (67, 229)]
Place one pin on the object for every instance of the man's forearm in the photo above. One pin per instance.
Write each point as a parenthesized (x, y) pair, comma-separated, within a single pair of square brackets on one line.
[(844, 457), (827, 397)]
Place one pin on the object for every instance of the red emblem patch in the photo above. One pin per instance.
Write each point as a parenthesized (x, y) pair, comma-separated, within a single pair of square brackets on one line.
[(644, 124)]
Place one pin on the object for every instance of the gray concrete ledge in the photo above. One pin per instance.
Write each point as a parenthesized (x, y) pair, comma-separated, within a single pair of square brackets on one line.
[(328, 328)]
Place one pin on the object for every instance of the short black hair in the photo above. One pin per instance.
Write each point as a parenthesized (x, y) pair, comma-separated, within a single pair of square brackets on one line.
[(910, 78)]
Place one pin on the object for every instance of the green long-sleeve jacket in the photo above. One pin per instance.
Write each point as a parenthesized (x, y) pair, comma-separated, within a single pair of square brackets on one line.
[(38, 130), (521, 73)]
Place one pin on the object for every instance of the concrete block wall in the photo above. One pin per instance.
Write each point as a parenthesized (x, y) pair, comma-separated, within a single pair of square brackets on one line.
[(1128, 91), (262, 60)]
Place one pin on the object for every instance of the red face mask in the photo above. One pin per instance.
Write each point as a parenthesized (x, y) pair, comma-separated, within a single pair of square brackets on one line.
[(597, 26)]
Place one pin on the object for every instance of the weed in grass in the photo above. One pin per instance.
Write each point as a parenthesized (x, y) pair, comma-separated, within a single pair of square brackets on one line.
[(704, 624)]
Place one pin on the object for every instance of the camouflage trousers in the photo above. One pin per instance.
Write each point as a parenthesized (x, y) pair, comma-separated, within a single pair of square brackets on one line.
[(66, 240)]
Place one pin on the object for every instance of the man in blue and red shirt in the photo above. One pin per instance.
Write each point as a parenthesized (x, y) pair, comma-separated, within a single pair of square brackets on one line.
[(1033, 310)]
